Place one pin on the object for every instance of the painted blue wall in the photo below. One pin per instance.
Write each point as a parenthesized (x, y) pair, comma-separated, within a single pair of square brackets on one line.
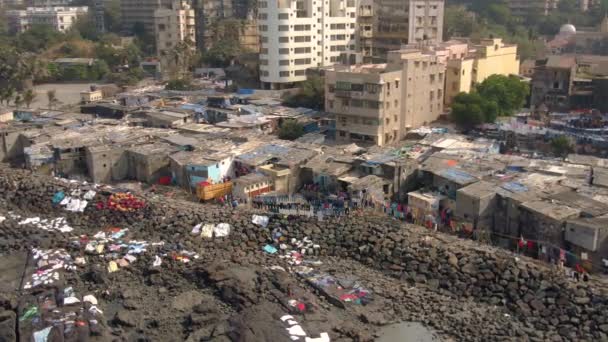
[(194, 173)]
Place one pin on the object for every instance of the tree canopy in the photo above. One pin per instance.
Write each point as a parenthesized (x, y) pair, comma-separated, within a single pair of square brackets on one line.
[(508, 92), (497, 96), (311, 95), (562, 146), (291, 130)]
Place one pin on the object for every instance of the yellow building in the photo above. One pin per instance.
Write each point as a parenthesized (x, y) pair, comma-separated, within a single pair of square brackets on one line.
[(494, 57), (490, 57), (458, 78)]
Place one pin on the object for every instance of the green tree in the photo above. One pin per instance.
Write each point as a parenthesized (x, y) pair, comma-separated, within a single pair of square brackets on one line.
[(508, 92), (28, 97), (291, 130), (112, 16), (562, 145), (222, 54), (18, 101), (51, 96), (311, 95), (458, 22), (179, 84), (6, 94), (85, 27), (38, 38), (467, 110)]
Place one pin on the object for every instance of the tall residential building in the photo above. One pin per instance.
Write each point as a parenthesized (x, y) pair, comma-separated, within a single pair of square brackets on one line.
[(380, 103), (60, 18), (173, 25), (141, 12), (300, 34), (235, 20), (386, 25), (473, 65), (531, 7)]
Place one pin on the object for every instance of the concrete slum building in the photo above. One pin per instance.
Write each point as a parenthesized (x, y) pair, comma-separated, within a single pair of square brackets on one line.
[(550, 209)]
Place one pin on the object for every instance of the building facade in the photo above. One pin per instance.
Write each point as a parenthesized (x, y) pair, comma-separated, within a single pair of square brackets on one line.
[(386, 25), (173, 25), (141, 12), (531, 7), (60, 18), (300, 34), (380, 103)]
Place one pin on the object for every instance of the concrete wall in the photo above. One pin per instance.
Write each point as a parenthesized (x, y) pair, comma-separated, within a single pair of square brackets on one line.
[(11, 145), (108, 165), (495, 58), (148, 168)]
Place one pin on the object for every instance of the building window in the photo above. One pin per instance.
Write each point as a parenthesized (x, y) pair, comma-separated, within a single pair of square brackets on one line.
[(302, 61), (284, 74), (283, 28), (284, 62), (283, 16), (301, 27), (301, 72), (397, 84), (262, 4), (302, 50), (330, 104), (263, 51), (264, 39), (262, 16), (301, 39), (283, 39), (284, 51), (263, 62), (263, 28)]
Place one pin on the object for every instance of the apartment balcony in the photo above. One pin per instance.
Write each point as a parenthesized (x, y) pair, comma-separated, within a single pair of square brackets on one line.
[(366, 13), (362, 95), (366, 34)]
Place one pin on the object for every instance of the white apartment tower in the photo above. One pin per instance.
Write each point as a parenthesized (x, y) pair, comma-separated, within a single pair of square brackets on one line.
[(301, 34), (59, 18), (173, 25)]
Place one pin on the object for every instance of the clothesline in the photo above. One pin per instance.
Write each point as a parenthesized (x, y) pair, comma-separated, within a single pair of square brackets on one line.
[(544, 243)]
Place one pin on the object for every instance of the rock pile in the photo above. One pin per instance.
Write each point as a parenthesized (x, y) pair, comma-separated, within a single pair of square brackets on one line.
[(534, 301)]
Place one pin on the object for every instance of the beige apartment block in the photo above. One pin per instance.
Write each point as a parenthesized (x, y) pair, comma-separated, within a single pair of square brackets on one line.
[(380, 103), (173, 25), (141, 12), (470, 64), (386, 25)]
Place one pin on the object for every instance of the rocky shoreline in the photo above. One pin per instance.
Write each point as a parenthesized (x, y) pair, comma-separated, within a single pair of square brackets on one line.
[(235, 291)]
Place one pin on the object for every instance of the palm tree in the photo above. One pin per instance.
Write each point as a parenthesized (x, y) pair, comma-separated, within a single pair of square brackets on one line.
[(28, 97), (18, 101), (51, 95), (6, 94)]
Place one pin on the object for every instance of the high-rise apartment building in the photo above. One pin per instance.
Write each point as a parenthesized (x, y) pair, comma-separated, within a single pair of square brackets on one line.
[(380, 103), (217, 20), (531, 7), (300, 34), (173, 25), (60, 18), (141, 12), (386, 25)]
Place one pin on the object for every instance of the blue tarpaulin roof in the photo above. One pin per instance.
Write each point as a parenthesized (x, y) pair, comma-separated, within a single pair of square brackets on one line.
[(457, 175), (515, 187)]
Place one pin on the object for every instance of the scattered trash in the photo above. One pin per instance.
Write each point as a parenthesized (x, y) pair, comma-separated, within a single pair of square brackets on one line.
[(58, 197), (89, 195), (42, 335), (270, 249), (112, 266), (90, 299), (58, 224), (196, 230), (221, 230), (296, 331), (157, 261), (260, 220), (29, 313), (207, 231), (121, 201)]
